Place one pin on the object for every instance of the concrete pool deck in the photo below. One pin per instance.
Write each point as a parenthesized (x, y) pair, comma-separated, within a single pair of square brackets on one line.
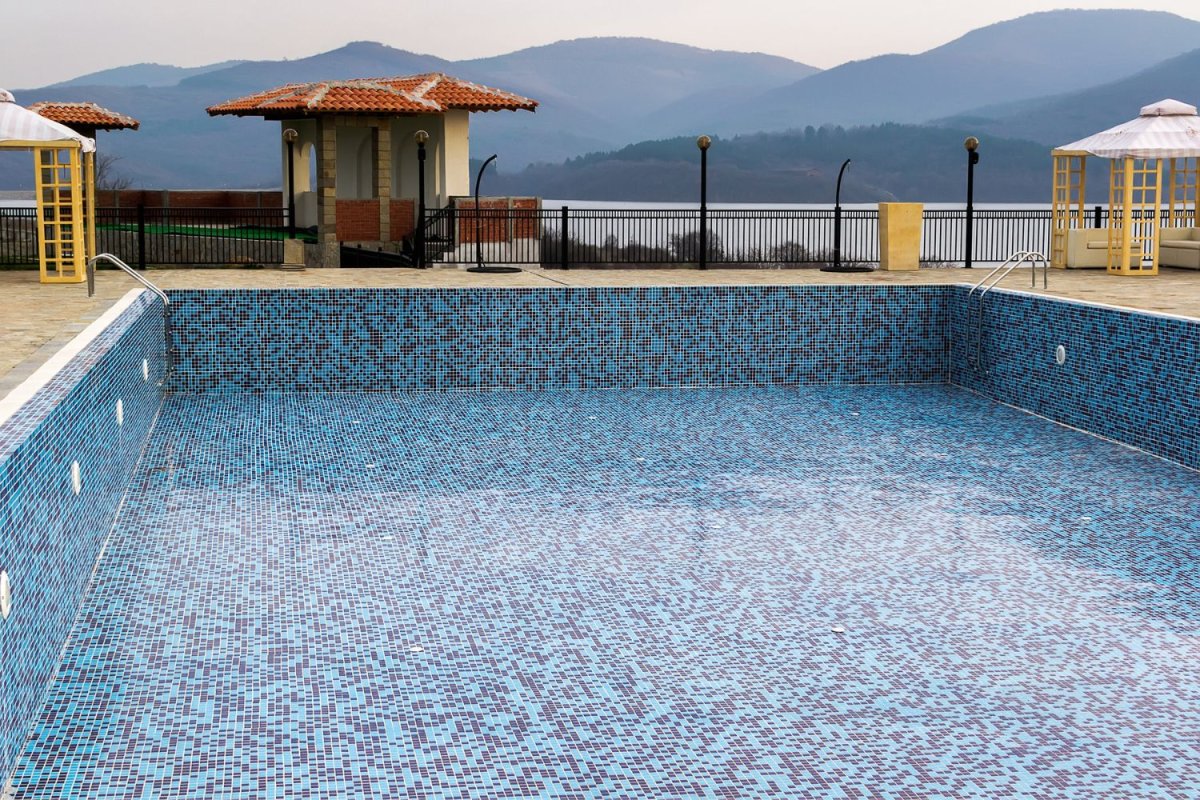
[(37, 320)]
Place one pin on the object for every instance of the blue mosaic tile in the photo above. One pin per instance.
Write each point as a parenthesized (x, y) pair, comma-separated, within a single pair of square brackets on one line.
[(1128, 376), (392, 339), (610, 594), (633, 594), (49, 537)]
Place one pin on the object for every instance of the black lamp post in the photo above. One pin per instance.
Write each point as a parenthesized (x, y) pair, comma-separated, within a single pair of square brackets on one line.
[(704, 142), (420, 137), (479, 265), (836, 266), (972, 145), (290, 136)]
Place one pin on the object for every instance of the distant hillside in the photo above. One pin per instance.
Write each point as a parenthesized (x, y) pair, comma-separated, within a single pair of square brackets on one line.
[(1035, 55), (595, 94), (890, 162), (1063, 118), (143, 75), (601, 94), (354, 60)]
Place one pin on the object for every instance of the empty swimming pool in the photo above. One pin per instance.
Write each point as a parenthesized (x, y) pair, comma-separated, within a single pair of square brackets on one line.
[(803, 592), (662, 542)]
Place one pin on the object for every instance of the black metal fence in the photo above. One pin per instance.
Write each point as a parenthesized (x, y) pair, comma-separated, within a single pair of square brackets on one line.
[(735, 237), (560, 237), (167, 236), (18, 236)]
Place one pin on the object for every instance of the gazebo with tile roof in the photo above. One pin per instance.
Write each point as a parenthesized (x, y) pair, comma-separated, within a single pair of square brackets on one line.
[(359, 136)]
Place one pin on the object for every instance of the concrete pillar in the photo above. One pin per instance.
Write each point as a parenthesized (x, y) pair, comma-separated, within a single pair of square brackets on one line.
[(900, 235), (329, 255), (383, 175), (326, 180)]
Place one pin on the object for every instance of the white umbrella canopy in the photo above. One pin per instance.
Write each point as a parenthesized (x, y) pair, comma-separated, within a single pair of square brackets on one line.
[(19, 124), (1166, 129)]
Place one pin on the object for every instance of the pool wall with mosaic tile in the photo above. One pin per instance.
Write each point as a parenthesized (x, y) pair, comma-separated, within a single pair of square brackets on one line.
[(1129, 376), (1132, 377), (391, 339), (50, 535)]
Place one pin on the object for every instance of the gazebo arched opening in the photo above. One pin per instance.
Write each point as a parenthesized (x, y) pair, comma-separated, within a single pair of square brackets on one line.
[(65, 173), (1165, 136)]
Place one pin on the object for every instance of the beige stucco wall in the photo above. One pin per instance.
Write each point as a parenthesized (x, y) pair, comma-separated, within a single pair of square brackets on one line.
[(456, 156), (447, 156), (355, 162), (305, 156)]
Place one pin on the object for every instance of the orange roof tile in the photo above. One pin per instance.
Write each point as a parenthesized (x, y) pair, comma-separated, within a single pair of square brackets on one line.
[(84, 114), (431, 93)]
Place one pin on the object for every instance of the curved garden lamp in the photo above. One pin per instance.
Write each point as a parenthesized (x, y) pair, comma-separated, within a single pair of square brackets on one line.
[(479, 265), (837, 265)]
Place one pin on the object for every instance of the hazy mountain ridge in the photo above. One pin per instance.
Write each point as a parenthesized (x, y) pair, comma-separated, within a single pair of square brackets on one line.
[(889, 162), (600, 94), (146, 74), (585, 87), (1031, 56), (1063, 118)]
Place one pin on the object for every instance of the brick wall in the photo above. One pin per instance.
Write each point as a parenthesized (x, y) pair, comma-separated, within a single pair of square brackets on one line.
[(403, 215), (358, 220), (502, 219)]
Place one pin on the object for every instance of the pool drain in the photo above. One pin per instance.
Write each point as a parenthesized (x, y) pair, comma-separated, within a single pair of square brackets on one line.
[(416, 648), (76, 477), (120, 412), (145, 370), (838, 629)]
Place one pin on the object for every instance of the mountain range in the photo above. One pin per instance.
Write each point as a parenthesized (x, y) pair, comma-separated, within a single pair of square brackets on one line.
[(1040, 80)]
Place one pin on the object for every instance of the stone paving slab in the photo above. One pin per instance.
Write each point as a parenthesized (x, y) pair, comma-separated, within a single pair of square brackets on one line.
[(36, 320)]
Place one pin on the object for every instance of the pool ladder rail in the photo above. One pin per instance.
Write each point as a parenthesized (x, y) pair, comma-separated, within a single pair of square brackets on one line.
[(144, 281), (1031, 257)]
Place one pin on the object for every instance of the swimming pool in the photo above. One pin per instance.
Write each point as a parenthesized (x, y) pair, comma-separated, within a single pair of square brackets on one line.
[(900, 588)]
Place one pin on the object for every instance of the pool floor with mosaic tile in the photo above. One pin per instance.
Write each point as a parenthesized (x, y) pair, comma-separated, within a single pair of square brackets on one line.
[(856, 592)]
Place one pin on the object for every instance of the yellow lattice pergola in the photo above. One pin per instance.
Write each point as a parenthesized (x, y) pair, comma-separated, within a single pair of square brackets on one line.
[(1164, 134), (64, 167)]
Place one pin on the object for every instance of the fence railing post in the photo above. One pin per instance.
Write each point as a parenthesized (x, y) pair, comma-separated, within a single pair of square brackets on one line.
[(141, 236), (562, 240)]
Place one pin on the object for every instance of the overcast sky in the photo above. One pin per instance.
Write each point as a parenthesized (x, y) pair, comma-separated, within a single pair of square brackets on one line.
[(81, 36)]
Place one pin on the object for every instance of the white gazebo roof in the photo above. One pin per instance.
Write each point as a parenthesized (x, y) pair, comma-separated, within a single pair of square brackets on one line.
[(1166, 129), (19, 125)]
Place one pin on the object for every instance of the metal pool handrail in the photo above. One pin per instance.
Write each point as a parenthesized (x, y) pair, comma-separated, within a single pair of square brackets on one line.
[(144, 281), (990, 282), (109, 257), (1018, 258)]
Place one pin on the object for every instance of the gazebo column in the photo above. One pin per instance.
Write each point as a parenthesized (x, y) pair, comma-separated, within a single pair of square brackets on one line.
[(327, 190), (1136, 187)]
